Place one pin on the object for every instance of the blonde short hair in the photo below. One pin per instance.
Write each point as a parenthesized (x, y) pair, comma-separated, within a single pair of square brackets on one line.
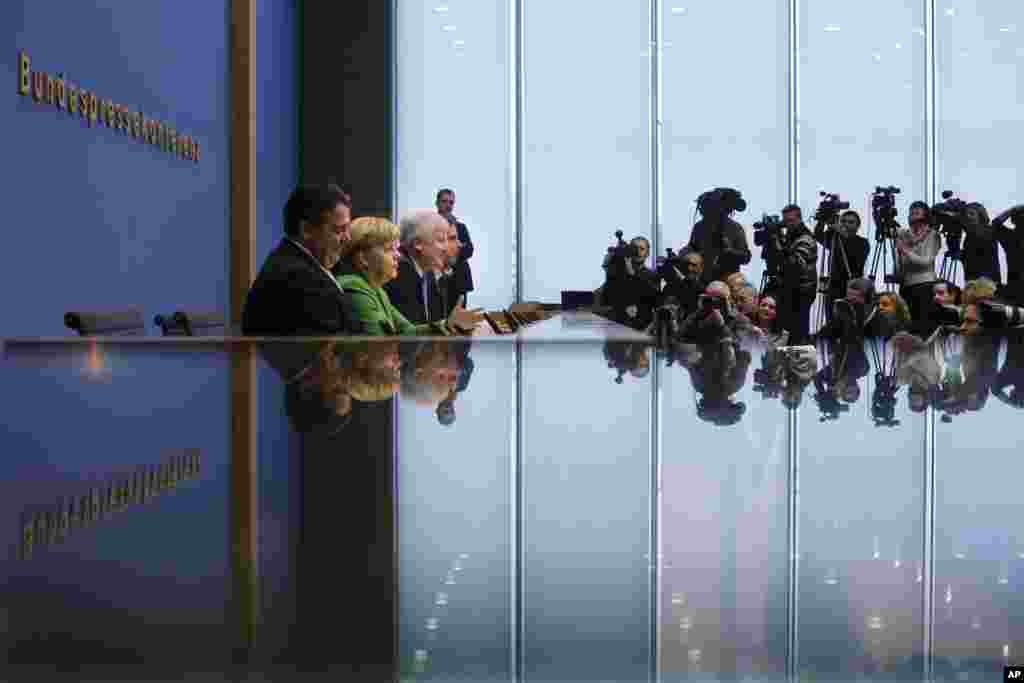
[(368, 232), (976, 290)]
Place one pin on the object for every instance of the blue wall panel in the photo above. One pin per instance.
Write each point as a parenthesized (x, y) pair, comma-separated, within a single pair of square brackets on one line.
[(93, 218), (277, 170)]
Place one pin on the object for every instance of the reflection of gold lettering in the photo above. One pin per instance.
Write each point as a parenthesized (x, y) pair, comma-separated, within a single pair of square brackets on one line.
[(51, 88), (137, 125), (60, 93), (72, 98), (38, 86), (94, 108), (24, 73)]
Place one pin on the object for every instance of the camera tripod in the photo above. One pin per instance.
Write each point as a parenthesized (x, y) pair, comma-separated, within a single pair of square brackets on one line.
[(885, 256), (883, 398), (826, 268), (950, 268)]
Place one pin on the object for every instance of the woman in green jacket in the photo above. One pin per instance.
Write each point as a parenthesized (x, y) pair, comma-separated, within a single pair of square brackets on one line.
[(372, 254)]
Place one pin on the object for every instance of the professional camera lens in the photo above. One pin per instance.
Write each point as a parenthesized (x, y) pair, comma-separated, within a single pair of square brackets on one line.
[(1000, 315)]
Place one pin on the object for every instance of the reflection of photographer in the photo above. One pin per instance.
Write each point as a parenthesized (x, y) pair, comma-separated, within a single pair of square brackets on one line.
[(631, 288), (1012, 241), (719, 239), (847, 252), (794, 249), (916, 249), (627, 358), (837, 383), (718, 372), (1011, 374)]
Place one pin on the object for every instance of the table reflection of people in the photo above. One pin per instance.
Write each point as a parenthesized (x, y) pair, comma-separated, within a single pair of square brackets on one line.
[(339, 402), (1009, 383), (837, 383), (627, 358), (446, 408), (917, 367), (430, 373), (718, 372)]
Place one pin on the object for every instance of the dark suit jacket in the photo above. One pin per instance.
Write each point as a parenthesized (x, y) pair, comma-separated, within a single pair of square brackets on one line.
[(462, 273), (406, 294), (292, 295)]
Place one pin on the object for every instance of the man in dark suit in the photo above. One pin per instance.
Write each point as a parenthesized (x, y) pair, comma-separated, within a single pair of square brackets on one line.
[(461, 273), (295, 292), (415, 292)]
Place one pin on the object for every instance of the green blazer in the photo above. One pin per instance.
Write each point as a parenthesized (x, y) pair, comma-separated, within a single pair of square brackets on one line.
[(372, 307)]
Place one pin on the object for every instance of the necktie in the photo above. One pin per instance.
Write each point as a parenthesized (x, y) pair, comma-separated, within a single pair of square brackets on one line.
[(426, 294)]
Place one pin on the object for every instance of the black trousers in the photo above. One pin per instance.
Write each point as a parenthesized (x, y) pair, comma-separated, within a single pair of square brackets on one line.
[(918, 298), (795, 314)]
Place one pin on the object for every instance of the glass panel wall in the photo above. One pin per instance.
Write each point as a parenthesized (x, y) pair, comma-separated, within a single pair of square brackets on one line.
[(980, 101), (453, 123), (725, 111), (862, 104), (586, 139)]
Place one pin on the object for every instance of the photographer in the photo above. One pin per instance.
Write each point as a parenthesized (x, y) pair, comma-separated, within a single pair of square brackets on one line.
[(631, 288), (794, 249), (916, 249), (848, 252), (1012, 241), (980, 253), (684, 281), (719, 239), (716, 321)]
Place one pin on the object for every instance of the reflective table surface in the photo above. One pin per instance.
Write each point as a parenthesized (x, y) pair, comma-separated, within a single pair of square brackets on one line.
[(510, 511)]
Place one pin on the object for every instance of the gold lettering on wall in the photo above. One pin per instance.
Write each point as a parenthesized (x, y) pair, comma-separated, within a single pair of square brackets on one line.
[(24, 69), (64, 95)]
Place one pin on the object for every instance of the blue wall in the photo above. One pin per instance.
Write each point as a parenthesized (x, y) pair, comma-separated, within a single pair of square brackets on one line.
[(277, 133), (95, 219)]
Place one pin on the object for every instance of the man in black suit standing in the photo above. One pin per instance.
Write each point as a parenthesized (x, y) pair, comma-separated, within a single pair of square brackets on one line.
[(295, 292), (415, 292), (463, 276)]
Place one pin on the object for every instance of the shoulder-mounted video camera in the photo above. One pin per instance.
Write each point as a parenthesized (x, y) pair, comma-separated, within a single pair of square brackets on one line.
[(948, 217), (765, 229), (829, 208), (721, 201), (884, 211)]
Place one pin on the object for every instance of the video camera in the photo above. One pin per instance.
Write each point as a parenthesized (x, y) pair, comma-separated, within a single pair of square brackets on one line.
[(883, 211), (722, 201), (948, 217), (709, 302), (1000, 316), (766, 226), (829, 208)]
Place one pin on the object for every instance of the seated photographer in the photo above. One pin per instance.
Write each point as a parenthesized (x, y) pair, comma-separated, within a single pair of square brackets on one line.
[(917, 247), (766, 319), (720, 240), (683, 278), (848, 252), (631, 289), (1012, 241), (980, 252), (797, 252), (372, 256), (716, 321)]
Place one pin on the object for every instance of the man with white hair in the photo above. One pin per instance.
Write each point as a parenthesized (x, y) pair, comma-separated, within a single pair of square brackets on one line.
[(424, 238)]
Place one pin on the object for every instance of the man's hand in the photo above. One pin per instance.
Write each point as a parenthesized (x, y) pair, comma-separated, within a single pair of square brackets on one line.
[(631, 311), (464, 321), (715, 317)]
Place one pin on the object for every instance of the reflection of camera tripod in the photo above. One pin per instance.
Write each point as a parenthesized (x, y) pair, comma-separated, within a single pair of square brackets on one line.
[(883, 398)]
